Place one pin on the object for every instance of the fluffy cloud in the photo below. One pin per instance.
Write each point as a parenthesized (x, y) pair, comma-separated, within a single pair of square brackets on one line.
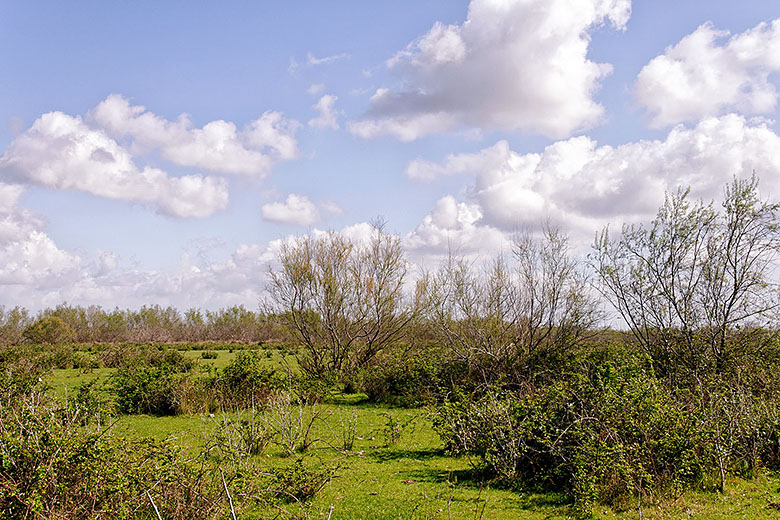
[(35, 272), (328, 115), (452, 227), (218, 146), (512, 65), (61, 152), (584, 186), (296, 209), (703, 76), (27, 255)]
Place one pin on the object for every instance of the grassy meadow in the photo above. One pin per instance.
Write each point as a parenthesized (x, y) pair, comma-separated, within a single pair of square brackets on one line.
[(393, 466)]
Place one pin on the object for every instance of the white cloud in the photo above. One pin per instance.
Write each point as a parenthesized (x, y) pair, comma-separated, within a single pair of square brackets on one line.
[(35, 272), (487, 159), (452, 227), (704, 76), (296, 209), (332, 207), (583, 186), (218, 146), (328, 115), (315, 88), (27, 255), (61, 152), (314, 61), (512, 65), (311, 59)]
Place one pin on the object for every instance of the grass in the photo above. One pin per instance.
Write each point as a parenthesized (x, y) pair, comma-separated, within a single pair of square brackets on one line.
[(397, 467)]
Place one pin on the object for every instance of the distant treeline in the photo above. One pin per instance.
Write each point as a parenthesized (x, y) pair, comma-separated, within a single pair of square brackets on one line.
[(153, 323)]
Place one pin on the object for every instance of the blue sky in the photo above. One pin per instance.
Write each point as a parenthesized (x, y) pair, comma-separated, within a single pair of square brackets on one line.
[(458, 122)]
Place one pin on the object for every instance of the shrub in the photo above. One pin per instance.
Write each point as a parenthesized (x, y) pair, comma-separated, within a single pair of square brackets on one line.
[(55, 467), (406, 382), (49, 329), (121, 354), (245, 382), (162, 388), (299, 483), (600, 436)]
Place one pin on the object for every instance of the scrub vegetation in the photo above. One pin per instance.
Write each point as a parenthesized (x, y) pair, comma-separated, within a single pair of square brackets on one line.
[(491, 390)]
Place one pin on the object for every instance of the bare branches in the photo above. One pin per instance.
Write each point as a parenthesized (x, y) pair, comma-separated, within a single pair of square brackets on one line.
[(686, 283), (344, 300), (504, 319)]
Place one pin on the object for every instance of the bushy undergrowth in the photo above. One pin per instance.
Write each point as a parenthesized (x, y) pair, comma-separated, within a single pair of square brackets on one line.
[(54, 465), (58, 460), (610, 431), (404, 381)]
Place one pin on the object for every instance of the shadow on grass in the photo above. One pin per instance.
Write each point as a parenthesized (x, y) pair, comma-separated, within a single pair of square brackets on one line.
[(388, 455), (478, 480)]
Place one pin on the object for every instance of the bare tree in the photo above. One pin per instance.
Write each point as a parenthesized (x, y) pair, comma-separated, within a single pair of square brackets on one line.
[(688, 284), (513, 316), (343, 299)]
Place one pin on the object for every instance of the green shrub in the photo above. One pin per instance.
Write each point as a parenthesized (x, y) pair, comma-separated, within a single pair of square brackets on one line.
[(298, 483), (53, 466), (601, 436), (245, 382), (126, 354), (402, 381), (49, 329), (162, 388)]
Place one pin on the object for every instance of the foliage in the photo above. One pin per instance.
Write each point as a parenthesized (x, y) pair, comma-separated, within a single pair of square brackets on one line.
[(299, 482), (152, 388), (245, 382), (402, 381), (610, 430), (52, 466), (50, 329)]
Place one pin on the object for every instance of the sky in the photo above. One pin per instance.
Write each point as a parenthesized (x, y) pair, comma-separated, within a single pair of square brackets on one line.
[(160, 152)]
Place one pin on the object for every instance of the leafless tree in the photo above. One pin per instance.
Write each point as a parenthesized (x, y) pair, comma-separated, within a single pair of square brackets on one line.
[(343, 299), (513, 316), (692, 284)]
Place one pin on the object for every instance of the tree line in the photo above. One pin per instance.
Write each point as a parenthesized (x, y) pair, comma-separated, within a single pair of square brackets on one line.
[(153, 323)]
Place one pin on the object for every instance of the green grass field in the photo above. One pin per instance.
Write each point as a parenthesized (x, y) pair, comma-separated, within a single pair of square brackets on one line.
[(398, 469)]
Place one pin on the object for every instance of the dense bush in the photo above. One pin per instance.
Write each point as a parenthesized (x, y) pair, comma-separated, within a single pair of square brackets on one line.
[(49, 329), (245, 382), (53, 466), (610, 431), (158, 388), (126, 354), (412, 381)]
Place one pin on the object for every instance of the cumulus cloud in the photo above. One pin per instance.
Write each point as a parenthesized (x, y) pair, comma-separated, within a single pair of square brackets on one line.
[(218, 146), (703, 75), (452, 226), (328, 115), (583, 186), (35, 272), (296, 209), (27, 254), (62, 152), (512, 65)]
